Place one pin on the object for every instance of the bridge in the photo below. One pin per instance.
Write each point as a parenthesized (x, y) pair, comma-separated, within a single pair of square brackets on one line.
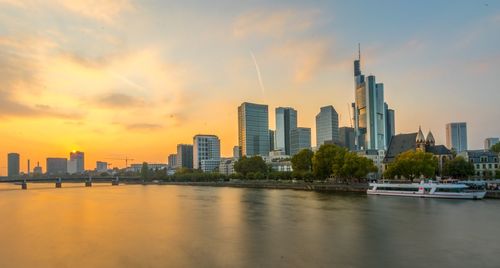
[(58, 181)]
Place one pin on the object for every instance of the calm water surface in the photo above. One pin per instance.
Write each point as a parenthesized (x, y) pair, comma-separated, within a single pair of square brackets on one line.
[(183, 226)]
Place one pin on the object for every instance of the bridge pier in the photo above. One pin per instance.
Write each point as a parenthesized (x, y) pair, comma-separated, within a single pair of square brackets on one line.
[(24, 185), (88, 183), (115, 182), (58, 183)]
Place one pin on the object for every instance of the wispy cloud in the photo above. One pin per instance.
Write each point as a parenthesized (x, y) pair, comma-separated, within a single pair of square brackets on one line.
[(143, 127), (119, 100)]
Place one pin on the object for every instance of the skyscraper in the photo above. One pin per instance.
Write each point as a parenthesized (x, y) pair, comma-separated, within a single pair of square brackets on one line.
[(271, 140), (172, 160), (456, 136), (286, 121), (390, 127), (184, 156), (327, 126), (57, 166), (369, 112), (206, 147), (253, 129), (347, 138), (488, 142), (76, 163), (236, 152), (13, 163), (300, 138)]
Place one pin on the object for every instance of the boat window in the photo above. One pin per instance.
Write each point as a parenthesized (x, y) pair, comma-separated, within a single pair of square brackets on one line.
[(450, 190), (404, 189)]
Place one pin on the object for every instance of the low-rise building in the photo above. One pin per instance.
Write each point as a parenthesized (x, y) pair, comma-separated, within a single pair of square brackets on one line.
[(486, 163), (151, 166), (226, 166), (377, 156)]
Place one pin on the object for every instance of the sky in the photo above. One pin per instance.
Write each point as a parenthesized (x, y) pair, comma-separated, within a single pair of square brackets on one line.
[(125, 78)]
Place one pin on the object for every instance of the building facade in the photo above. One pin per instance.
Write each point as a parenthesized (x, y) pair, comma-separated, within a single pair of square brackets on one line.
[(286, 121), (327, 126), (101, 166), (226, 166), (300, 139), (486, 163), (172, 161), (57, 166), (456, 136), (13, 164), (253, 129), (236, 152), (390, 125), (184, 156), (347, 138), (76, 163), (206, 148), (272, 136), (488, 142)]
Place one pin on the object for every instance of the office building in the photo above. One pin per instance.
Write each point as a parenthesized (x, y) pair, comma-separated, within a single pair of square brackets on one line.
[(253, 129), (272, 137), (236, 152), (13, 164), (184, 156), (226, 166), (206, 149), (172, 161), (76, 163), (368, 111), (390, 125), (101, 166), (57, 166), (488, 142), (456, 136), (286, 121), (327, 126), (486, 163), (347, 138), (300, 139)]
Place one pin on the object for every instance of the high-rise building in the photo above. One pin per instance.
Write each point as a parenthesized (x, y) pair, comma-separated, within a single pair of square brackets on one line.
[(300, 138), (347, 138), (184, 156), (236, 152), (488, 142), (369, 112), (76, 163), (172, 161), (101, 166), (272, 137), (57, 166), (390, 125), (253, 129), (456, 136), (286, 121), (13, 164), (206, 152), (327, 126)]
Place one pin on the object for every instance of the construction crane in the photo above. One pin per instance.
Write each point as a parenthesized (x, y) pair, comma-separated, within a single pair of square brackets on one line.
[(126, 159)]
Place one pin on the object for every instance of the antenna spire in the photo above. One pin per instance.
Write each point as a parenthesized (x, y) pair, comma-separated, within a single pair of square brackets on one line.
[(359, 51)]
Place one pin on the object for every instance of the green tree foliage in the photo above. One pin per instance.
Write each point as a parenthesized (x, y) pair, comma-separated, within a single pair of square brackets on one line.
[(328, 158), (254, 164), (354, 166), (458, 168), (412, 165), (496, 148), (145, 171), (302, 161)]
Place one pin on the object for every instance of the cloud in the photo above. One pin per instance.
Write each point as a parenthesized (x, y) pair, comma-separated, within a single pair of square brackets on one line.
[(143, 126), (117, 100), (272, 23)]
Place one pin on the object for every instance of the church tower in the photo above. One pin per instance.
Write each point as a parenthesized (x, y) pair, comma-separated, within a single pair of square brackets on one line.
[(420, 140)]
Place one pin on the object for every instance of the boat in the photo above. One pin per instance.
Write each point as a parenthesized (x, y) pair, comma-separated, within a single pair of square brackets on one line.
[(426, 190)]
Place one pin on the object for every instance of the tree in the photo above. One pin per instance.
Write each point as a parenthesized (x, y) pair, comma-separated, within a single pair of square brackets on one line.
[(254, 164), (496, 148), (458, 168), (327, 159), (144, 171), (412, 165), (302, 161), (355, 167)]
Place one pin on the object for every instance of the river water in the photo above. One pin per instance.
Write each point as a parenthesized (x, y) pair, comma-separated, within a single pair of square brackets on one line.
[(186, 226)]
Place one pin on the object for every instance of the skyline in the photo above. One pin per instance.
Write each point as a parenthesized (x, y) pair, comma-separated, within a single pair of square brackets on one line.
[(84, 79)]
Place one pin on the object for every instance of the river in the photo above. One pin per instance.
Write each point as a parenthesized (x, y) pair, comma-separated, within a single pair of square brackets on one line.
[(187, 226)]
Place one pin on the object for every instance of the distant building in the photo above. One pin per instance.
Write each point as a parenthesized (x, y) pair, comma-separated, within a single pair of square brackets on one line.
[(347, 138), (417, 141), (57, 166), (206, 152), (390, 125), (13, 164), (236, 152), (377, 156), (282, 166), (456, 136), (485, 162), (300, 139), (253, 129), (76, 163), (185, 156), (286, 121), (272, 137), (101, 166), (327, 126), (172, 161), (151, 166), (488, 142), (226, 166), (38, 169)]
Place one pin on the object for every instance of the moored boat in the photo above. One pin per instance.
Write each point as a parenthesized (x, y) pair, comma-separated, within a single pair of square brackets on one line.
[(426, 190)]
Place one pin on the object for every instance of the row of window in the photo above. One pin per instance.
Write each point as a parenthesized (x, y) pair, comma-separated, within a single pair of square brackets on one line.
[(490, 166)]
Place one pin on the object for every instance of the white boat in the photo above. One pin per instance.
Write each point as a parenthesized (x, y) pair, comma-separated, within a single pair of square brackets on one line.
[(426, 190)]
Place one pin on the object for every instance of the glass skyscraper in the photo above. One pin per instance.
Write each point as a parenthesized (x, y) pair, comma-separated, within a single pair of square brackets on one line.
[(13, 163), (456, 136), (253, 129), (327, 126), (286, 121), (300, 138)]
